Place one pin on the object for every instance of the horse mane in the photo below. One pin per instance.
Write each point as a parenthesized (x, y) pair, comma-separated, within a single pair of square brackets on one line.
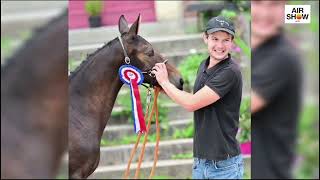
[(89, 58), (15, 59)]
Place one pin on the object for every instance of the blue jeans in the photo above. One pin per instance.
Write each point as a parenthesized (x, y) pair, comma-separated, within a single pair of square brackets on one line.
[(231, 168)]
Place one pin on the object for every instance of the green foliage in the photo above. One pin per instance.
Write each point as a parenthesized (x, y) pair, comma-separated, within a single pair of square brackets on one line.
[(10, 44), (229, 14), (162, 177), (73, 64), (94, 8), (244, 134), (189, 67), (314, 25), (182, 156), (61, 176), (184, 133), (7, 48), (246, 174), (131, 139), (238, 41), (6, 45), (124, 101), (243, 46), (308, 142)]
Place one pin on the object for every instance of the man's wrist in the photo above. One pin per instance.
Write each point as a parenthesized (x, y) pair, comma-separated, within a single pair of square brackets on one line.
[(164, 83)]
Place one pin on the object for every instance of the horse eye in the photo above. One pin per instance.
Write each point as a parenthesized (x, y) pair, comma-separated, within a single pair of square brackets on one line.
[(150, 53)]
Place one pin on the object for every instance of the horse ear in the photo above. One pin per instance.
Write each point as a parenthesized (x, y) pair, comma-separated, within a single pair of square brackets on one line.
[(123, 25), (135, 26)]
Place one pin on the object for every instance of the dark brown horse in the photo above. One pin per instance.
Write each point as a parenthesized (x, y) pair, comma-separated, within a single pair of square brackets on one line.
[(93, 89), (34, 97)]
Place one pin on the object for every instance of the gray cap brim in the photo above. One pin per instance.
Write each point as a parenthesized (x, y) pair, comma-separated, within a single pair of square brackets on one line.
[(220, 29)]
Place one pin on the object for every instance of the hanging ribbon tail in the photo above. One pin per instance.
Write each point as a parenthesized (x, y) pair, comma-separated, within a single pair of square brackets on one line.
[(138, 117)]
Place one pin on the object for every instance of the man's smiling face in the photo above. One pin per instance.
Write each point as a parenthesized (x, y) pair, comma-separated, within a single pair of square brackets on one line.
[(219, 44)]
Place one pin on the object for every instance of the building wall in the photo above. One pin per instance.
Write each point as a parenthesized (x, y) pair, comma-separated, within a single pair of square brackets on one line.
[(169, 10), (112, 10)]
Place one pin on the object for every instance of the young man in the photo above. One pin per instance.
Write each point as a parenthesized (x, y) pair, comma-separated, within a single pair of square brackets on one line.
[(276, 93), (215, 102)]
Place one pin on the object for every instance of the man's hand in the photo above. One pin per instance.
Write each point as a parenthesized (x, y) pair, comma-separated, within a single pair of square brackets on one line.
[(161, 73)]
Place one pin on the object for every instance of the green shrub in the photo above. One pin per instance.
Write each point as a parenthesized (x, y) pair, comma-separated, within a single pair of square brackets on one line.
[(184, 133), (73, 64), (308, 143), (244, 134), (189, 67), (94, 8)]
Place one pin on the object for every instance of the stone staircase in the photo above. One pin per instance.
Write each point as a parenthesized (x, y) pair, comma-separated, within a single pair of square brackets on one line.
[(113, 159), (174, 48)]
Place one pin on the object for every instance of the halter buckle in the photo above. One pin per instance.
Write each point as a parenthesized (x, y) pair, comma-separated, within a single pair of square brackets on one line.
[(127, 60)]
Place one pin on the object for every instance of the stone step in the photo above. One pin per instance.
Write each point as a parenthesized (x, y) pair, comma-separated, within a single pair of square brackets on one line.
[(158, 29), (168, 45), (167, 149), (20, 16), (115, 132), (174, 112), (176, 169), (22, 7)]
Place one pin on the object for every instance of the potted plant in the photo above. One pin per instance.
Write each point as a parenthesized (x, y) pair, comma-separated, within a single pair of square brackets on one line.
[(94, 10)]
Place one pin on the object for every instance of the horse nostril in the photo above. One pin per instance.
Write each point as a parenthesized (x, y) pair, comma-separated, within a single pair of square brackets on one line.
[(181, 81), (181, 84)]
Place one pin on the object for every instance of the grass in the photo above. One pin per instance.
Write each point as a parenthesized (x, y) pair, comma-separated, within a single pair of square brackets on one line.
[(61, 176), (131, 139), (73, 64), (9, 44), (6, 47), (188, 155)]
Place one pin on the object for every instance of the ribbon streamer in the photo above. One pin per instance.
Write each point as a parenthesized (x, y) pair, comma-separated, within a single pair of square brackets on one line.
[(133, 77)]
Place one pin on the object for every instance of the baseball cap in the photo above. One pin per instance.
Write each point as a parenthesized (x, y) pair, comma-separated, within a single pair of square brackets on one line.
[(220, 23)]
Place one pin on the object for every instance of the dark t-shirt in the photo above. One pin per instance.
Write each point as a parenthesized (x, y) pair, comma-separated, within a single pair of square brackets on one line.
[(276, 77), (216, 125)]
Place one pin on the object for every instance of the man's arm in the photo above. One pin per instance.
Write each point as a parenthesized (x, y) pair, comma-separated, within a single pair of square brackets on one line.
[(257, 102), (191, 102)]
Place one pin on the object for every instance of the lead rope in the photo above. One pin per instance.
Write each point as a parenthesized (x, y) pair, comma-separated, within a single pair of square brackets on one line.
[(156, 151), (133, 151)]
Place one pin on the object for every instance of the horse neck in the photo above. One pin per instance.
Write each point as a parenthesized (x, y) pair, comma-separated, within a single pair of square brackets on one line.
[(40, 65), (97, 86)]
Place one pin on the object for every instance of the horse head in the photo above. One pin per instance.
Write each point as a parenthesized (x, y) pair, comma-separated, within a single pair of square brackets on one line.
[(142, 54)]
